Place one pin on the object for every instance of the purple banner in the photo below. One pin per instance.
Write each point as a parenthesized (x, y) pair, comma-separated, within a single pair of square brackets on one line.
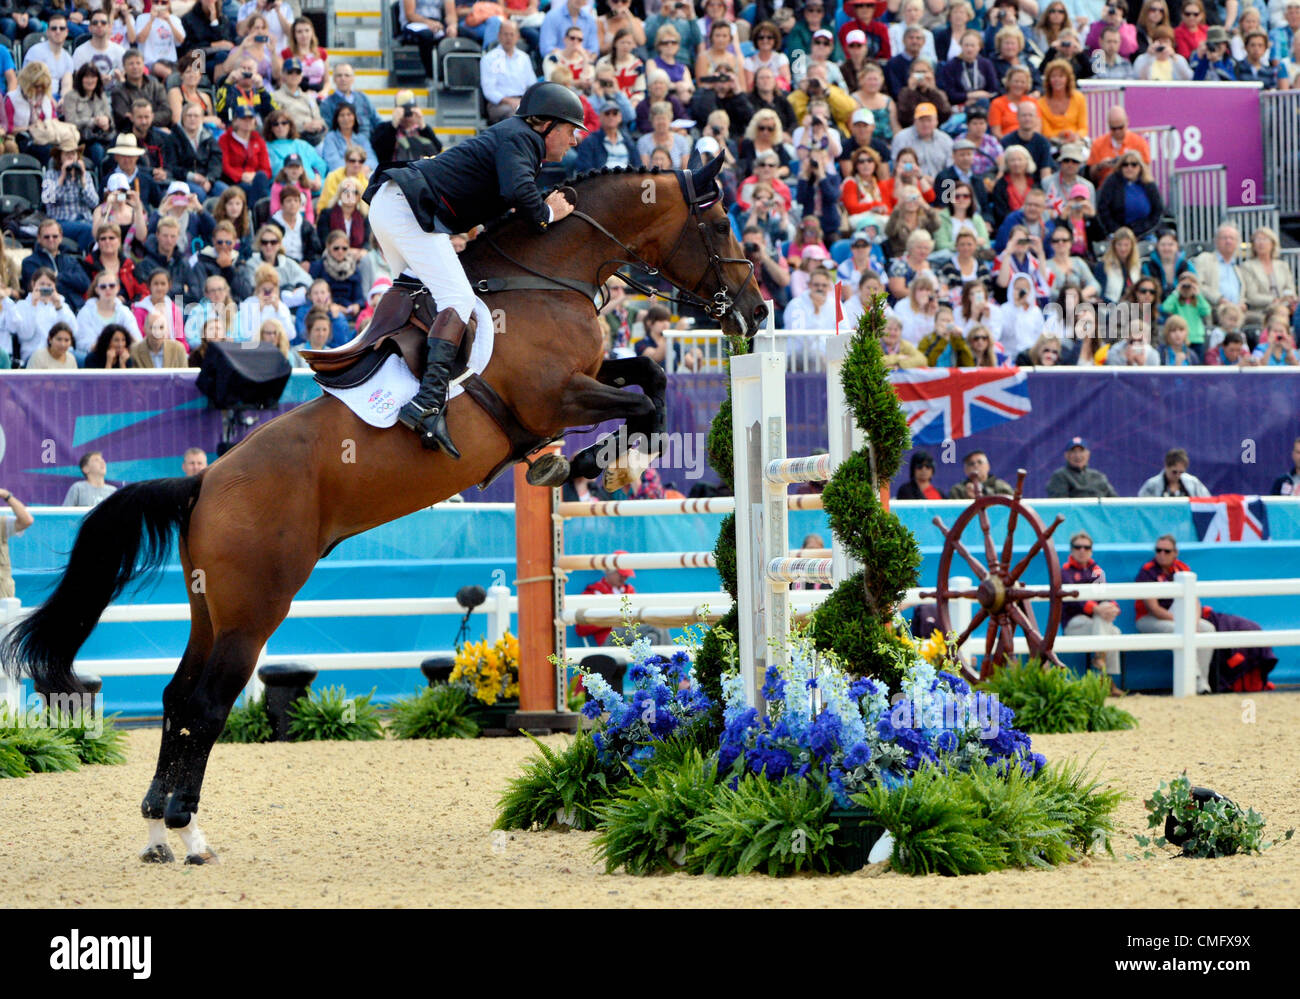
[(1212, 123), (1237, 427)]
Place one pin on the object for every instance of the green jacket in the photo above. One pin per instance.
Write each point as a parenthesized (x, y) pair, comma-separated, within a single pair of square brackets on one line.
[(1067, 482)]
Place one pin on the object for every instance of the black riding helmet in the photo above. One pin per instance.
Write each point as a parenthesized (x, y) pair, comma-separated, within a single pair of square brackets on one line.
[(551, 100)]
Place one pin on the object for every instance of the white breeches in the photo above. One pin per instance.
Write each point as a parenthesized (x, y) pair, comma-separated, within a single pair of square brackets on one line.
[(428, 256)]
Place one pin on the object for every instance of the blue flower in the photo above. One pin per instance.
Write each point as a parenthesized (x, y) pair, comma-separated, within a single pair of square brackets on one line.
[(859, 755), (637, 672), (775, 763), (811, 683), (862, 688), (946, 742), (592, 709), (824, 738), (955, 683), (774, 687)]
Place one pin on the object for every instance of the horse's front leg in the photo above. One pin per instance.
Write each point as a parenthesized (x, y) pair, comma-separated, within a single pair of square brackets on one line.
[(645, 425)]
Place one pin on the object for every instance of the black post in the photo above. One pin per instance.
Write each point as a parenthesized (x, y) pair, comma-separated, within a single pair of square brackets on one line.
[(285, 683), (438, 669)]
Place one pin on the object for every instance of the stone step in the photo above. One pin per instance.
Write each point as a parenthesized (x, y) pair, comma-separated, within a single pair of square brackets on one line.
[(360, 38)]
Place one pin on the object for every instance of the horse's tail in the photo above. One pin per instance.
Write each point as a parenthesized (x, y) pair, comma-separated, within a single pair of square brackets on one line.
[(128, 535)]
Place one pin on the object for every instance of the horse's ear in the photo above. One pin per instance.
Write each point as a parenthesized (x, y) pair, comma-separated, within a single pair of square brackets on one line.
[(707, 175)]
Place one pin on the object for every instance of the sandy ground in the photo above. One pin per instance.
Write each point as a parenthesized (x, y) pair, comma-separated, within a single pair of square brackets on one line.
[(404, 824)]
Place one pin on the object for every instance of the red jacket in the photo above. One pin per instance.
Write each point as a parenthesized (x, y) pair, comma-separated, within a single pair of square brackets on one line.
[(237, 159), (1152, 573), (872, 27), (600, 632)]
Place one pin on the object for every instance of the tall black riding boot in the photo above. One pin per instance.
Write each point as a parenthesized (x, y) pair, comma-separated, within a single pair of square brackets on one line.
[(426, 413)]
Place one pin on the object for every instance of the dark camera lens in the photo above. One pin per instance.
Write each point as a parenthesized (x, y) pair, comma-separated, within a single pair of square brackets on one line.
[(751, 247)]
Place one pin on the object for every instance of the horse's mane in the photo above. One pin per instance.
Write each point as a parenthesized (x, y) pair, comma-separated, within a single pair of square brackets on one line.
[(512, 225)]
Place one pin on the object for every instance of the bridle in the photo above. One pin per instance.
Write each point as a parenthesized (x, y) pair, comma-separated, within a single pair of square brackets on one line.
[(722, 303)]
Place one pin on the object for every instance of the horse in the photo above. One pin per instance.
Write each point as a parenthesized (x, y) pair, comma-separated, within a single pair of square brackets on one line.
[(253, 525)]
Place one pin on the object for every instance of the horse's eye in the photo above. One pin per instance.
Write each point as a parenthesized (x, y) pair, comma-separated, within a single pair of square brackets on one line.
[(722, 228)]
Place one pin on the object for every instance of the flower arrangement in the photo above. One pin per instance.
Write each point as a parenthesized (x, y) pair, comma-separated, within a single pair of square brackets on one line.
[(852, 732), (492, 672)]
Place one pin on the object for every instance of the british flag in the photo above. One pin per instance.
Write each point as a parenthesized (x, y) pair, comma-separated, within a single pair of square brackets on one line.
[(951, 403), (1230, 518)]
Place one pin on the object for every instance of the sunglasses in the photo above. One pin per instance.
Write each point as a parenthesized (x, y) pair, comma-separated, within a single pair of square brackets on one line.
[(105, 287), (955, 197), (1164, 551), (766, 128), (573, 38), (668, 44), (98, 23), (56, 27), (340, 246), (279, 124), (1135, 166), (352, 160), (979, 339), (1086, 548), (1145, 291), (1063, 242), (223, 242)]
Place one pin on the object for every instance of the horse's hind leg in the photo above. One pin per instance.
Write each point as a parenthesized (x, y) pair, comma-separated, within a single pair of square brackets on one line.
[(175, 697)]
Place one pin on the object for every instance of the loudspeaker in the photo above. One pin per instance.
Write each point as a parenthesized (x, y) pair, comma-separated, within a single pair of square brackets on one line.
[(242, 375)]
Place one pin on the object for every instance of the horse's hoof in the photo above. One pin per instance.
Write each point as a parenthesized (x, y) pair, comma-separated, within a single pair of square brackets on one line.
[(207, 857), (548, 470), (159, 853), (627, 471)]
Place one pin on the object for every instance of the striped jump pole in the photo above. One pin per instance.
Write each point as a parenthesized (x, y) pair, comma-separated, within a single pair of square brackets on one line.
[(763, 472)]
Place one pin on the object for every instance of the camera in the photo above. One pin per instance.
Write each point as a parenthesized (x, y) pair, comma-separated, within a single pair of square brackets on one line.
[(752, 249), (261, 39), (47, 292)]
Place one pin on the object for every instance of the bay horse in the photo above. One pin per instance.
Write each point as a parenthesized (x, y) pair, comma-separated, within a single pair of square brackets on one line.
[(252, 526)]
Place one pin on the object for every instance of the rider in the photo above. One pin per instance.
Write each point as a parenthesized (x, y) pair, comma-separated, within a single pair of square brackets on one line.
[(415, 207)]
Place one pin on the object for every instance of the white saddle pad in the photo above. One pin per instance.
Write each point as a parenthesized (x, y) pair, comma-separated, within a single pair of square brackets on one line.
[(378, 399)]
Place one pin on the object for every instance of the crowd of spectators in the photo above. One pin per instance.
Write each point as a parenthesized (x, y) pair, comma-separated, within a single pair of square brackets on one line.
[(203, 165), (880, 143)]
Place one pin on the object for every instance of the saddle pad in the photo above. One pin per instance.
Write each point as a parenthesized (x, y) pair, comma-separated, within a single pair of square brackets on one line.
[(378, 399)]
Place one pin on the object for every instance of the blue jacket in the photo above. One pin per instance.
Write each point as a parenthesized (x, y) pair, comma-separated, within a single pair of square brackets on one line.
[(591, 153), (949, 78), (73, 281), (367, 120)]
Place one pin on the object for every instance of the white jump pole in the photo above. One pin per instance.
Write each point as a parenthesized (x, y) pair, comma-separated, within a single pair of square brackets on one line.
[(1187, 612), (11, 690)]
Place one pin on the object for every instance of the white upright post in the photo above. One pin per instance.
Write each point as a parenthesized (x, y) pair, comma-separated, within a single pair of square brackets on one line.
[(498, 612), (11, 690), (843, 437), (758, 433), (1187, 612), (959, 616)]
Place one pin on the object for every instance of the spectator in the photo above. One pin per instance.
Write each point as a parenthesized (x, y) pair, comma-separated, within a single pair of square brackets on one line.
[(1229, 319), (1160, 61), (352, 170), (1021, 318), (190, 91), (149, 139), (985, 351), (912, 259), (810, 20), (1008, 52), (898, 353), (964, 267), (1107, 63), (245, 89), (1289, 484), (1129, 198), (425, 23), (221, 259), (303, 45), (614, 582), (344, 78), (816, 86), (1120, 266), (160, 301), (1221, 278), (1136, 351), (622, 61), (860, 194), (53, 56), (1070, 50), (869, 287), (612, 146), (815, 308), (300, 104), (100, 49), (68, 193), (1192, 30), (720, 56), (264, 304), (770, 269), (57, 353), (975, 308), (207, 30), (1107, 149), (917, 312), (876, 102), (1276, 345), (282, 141), (1265, 279), (31, 116), (232, 207), (215, 306), (920, 475), (86, 108), (575, 58), (193, 461), (158, 349), (657, 84), (1062, 108), (11, 527), (112, 350), (293, 280), (1031, 139), (661, 134), (949, 35), (1232, 350), (668, 46), (1187, 302), (819, 188), (244, 158), (1215, 62), (406, 137), (1167, 264), (339, 269), (861, 16), (319, 300), (766, 38), (505, 73), (347, 216), (163, 251), (1175, 480), (1155, 617), (135, 179), (1031, 216), (257, 55), (969, 78), (92, 488), (1282, 38), (344, 135), (103, 310), (71, 280), (301, 241), (862, 135), (909, 14), (978, 480), (1145, 295), (1045, 353), (1152, 14), (138, 83), (107, 258), (944, 346), (195, 155), (1089, 617), (157, 33), (764, 143), (932, 147), (1076, 478), (899, 67), (921, 89)]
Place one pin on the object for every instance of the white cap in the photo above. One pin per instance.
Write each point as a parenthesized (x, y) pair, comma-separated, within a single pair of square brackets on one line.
[(862, 114), (707, 146), (118, 182)]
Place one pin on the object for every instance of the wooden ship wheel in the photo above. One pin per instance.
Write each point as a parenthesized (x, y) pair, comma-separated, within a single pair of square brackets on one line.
[(1002, 598)]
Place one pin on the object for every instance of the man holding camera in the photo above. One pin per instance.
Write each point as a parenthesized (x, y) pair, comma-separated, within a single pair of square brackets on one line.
[(721, 92), (818, 189), (245, 88), (933, 148), (771, 273), (816, 85), (1215, 62), (72, 281), (279, 14)]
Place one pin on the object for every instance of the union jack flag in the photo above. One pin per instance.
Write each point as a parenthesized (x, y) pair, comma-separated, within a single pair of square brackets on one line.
[(951, 403), (1230, 518)]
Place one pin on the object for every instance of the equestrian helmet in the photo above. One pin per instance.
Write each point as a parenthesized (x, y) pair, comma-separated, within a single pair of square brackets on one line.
[(551, 100)]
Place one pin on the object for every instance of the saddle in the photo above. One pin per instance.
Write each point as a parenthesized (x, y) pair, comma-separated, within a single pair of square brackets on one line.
[(400, 325)]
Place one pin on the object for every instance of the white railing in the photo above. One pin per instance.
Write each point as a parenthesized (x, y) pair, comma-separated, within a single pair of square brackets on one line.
[(805, 350), (1201, 196)]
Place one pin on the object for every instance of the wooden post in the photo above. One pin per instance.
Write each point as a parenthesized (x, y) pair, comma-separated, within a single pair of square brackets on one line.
[(542, 697)]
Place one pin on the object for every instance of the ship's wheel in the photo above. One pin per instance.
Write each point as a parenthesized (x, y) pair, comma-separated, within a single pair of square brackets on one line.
[(1003, 600)]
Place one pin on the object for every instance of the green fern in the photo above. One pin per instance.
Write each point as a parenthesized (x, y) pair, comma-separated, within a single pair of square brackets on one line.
[(43, 750), (436, 712), (777, 827), (12, 762), (330, 715), (556, 788), (108, 748), (1055, 700), (247, 722)]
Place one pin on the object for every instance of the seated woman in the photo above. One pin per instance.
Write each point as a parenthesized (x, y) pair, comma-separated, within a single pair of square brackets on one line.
[(860, 194), (189, 91), (244, 158), (339, 269), (354, 170), (1120, 266), (232, 207), (917, 311), (961, 215), (348, 217), (161, 303), (108, 258), (86, 106), (31, 116), (343, 133), (920, 479), (1062, 108), (57, 352), (294, 281), (264, 305), (217, 305), (1167, 264), (307, 49), (1129, 198), (112, 350), (101, 310), (985, 351)]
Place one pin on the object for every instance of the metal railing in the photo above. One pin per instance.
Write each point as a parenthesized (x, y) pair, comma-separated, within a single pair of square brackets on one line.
[(1201, 194), (1279, 112), (1162, 162), (1248, 218)]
